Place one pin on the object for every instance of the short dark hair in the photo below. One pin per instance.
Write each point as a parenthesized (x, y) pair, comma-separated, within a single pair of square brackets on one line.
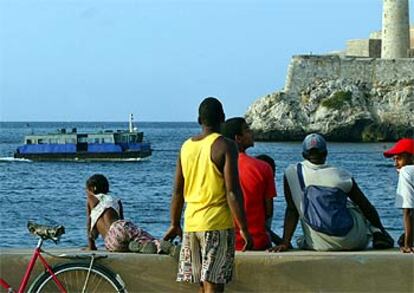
[(233, 127), (269, 160), (98, 184), (315, 156), (210, 112)]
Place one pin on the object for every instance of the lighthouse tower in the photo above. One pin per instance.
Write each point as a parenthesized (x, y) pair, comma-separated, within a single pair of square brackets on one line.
[(395, 29)]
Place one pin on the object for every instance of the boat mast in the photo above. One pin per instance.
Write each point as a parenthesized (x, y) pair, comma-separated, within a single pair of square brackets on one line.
[(131, 120)]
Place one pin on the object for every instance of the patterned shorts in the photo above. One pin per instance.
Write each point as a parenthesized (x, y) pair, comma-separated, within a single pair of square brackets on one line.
[(122, 232), (207, 256)]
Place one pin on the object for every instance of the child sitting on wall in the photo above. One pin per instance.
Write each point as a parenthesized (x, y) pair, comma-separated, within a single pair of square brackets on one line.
[(105, 217), (273, 236)]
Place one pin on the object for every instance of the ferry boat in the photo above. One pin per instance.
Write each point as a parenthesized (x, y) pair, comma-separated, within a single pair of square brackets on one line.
[(108, 145)]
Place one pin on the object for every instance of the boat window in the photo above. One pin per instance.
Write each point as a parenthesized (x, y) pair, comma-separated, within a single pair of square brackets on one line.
[(96, 140), (107, 140), (40, 141), (132, 139), (121, 139), (70, 140), (28, 141), (82, 139), (53, 140)]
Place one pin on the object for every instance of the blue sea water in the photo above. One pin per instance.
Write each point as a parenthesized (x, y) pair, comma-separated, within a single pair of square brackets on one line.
[(53, 192)]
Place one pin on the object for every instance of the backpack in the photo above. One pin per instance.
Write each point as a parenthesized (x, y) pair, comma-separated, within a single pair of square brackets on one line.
[(325, 208)]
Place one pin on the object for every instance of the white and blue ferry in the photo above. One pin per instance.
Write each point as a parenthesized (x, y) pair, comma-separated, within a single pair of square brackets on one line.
[(108, 145)]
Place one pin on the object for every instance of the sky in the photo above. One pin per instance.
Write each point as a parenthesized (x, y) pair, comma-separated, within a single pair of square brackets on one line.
[(99, 60)]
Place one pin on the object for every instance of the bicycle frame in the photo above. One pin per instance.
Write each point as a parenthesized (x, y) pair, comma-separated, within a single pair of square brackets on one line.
[(36, 255)]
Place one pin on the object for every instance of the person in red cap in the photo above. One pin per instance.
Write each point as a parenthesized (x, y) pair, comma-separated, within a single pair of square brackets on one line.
[(403, 155)]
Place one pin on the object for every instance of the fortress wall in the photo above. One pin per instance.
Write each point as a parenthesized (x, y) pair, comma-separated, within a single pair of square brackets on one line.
[(364, 48), (357, 48), (390, 70), (363, 69), (304, 70)]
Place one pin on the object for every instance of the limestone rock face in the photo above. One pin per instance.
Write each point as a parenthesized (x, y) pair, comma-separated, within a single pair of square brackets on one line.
[(340, 109)]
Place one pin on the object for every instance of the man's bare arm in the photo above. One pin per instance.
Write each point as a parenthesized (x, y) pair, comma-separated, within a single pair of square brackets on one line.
[(121, 210), (233, 190), (367, 209), (90, 233), (291, 219), (268, 208), (177, 204)]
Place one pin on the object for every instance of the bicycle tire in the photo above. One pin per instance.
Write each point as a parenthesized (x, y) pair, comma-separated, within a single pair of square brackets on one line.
[(73, 275)]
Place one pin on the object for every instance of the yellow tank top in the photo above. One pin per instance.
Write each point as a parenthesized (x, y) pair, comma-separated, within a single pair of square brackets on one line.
[(204, 188)]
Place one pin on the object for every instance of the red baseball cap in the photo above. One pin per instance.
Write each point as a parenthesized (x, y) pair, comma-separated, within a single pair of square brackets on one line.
[(404, 145)]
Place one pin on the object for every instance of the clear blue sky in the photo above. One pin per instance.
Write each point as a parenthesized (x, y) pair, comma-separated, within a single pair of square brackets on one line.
[(99, 60)]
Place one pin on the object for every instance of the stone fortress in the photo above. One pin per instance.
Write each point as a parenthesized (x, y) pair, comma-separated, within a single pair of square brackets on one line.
[(365, 93)]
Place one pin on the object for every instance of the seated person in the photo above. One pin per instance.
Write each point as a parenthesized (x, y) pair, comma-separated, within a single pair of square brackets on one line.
[(269, 216), (105, 217), (257, 183), (341, 218), (403, 155)]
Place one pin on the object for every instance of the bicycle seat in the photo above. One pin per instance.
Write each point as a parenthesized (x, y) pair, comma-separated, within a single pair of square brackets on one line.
[(46, 232)]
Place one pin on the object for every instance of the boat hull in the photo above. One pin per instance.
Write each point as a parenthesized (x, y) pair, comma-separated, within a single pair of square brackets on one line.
[(86, 156)]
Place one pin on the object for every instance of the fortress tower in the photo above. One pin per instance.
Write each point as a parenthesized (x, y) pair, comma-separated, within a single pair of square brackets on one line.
[(395, 29)]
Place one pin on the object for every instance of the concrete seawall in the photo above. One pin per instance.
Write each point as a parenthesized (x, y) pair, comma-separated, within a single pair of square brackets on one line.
[(293, 271)]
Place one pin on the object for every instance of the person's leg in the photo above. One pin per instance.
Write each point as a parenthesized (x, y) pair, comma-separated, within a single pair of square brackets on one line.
[(217, 254), (140, 240), (189, 265), (209, 287), (382, 240)]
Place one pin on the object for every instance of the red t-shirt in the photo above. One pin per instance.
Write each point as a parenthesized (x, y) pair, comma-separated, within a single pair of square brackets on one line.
[(257, 182)]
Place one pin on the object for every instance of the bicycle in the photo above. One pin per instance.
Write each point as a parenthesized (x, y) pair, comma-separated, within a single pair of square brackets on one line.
[(82, 276)]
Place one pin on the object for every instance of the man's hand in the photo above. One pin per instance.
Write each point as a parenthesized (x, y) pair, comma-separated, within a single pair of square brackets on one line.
[(172, 232), (279, 248), (248, 241)]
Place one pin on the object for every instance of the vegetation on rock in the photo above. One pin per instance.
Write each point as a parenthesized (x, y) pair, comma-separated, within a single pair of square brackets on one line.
[(338, 100)]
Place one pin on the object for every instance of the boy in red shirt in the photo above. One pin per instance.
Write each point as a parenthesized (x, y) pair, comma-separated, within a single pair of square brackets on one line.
[(257, 182)]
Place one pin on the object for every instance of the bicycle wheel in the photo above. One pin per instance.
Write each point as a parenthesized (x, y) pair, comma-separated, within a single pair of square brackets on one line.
[(74, 278)]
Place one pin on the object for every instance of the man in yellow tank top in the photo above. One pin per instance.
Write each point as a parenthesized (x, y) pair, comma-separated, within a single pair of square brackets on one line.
[(207, 180)]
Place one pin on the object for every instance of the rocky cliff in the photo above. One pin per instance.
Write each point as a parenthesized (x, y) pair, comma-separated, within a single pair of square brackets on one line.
[(341, 108)]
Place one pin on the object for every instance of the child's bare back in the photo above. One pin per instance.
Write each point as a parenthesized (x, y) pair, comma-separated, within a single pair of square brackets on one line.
[(105, 217)]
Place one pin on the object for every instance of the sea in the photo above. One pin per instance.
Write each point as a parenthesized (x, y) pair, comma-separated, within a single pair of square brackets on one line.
[(53, 193)]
